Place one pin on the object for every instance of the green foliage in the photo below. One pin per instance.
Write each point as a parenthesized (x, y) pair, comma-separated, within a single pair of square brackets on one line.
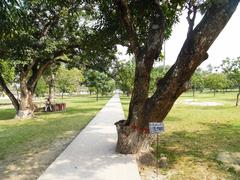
[(99, 82), (216, 81), (231, 67), (68, 80), (156, 74), (53, 31), (7, 71), (125, 77), (197, 82), (109, 24), (42, 88)]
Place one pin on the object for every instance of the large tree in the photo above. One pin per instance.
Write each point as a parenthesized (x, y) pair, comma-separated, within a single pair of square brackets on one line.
[(143, 25), (53, 31)]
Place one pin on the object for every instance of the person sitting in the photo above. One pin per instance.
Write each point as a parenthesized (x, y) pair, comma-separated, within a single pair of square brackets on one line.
[(48, 105)]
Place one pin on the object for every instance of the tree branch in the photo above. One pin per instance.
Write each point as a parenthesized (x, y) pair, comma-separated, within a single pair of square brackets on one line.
[(9, 93), (192, 10), (37, 73), (48, 25), (194, 50), (155, 36), (122, 6)]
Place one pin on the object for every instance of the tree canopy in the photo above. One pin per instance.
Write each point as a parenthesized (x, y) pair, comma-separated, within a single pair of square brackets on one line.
[(40, 33)]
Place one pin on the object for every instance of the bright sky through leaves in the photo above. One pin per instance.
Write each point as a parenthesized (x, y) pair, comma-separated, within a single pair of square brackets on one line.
[(226, 45)]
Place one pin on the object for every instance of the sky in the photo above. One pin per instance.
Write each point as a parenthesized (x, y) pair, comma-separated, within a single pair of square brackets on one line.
[(226, 45)]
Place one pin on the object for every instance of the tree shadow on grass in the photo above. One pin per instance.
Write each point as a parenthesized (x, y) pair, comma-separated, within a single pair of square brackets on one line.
[(200, 145), (207, 108), (7, 114), (43, 128)]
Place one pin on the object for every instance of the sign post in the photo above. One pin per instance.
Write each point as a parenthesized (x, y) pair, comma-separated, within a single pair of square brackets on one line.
[(156, 128)]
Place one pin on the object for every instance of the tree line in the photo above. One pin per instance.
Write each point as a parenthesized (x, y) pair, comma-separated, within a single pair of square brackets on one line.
[(222, 78)]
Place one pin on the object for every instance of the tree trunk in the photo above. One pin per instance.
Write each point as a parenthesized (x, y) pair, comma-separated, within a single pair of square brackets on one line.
[(97, 95), (131, 141), (237, 100), (51, 87), (11, 96), (193, 91), (26, 106), (133, 134)]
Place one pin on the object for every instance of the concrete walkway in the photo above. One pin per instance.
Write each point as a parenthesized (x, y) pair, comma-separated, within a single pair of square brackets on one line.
[(92, 154)]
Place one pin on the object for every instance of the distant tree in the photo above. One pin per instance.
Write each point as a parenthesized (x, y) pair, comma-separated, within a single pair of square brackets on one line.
[(49, 77), (125, 77), (231, 67), (68, 81), (98, 82), (156, 74), (216, 81), (210, 68), (197, 82), (42, 88)]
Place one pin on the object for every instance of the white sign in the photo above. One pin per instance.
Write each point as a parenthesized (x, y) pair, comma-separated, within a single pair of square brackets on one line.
[(156, 127)]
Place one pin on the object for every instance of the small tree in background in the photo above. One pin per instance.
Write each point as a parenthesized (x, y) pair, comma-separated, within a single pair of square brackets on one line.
[(125, 77), (231, 67), (216, 82), (156, 74), (98, 82), (42, 88), (68, 80), (197, 83)]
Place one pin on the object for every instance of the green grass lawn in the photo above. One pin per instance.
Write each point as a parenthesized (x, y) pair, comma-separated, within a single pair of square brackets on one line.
[(194, 135), (21, 137)]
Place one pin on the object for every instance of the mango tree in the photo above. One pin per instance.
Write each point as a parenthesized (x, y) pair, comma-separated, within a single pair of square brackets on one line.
[(42, 34), (142, 26), (231, 67)]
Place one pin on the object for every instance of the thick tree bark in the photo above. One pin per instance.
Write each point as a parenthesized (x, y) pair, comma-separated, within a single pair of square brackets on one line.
[(28, 86), (26, 106), (132, 134)]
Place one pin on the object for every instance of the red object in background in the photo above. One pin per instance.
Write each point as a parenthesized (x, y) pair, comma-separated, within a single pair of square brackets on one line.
[(59, 107)]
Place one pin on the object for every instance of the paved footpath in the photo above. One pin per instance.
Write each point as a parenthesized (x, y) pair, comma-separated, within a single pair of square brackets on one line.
[(91, 155)]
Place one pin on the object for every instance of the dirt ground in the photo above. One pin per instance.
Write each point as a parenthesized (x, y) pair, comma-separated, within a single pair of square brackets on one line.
[(184, 169), (30, 166)]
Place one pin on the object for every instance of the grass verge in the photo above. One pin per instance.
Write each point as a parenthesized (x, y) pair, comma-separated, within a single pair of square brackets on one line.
[(21, 141), (195, 135)]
